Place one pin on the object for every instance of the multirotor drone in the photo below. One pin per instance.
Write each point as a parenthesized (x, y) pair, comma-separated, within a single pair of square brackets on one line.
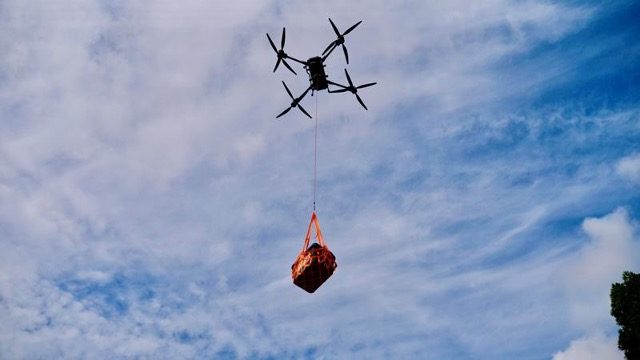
[(314, 66)]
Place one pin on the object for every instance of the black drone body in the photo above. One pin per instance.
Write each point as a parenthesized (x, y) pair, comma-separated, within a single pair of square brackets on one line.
[(318, 79)]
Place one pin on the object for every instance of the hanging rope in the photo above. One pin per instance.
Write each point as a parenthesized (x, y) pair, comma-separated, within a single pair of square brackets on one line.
[(315, 157)]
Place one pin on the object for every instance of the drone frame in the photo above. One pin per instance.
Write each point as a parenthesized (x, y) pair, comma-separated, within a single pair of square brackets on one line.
[(314, 67)]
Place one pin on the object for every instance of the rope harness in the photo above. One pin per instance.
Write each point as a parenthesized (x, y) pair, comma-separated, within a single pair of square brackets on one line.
[(315, 264)]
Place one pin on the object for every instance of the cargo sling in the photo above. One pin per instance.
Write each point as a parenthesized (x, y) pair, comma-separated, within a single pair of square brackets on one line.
[(315, 263)]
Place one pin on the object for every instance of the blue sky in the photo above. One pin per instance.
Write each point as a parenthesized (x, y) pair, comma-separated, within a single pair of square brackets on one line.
[(151, 206)]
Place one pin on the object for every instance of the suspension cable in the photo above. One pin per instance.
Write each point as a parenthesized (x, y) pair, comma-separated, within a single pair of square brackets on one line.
[(315, 156)]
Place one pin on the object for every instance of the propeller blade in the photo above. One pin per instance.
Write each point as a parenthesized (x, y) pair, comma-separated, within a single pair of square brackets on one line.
[(284, 112), (288, 91), (328, 47), (351, 28), (272, 44), (340, 90), (277, 64), (361, 102), (348, 77), (304, 111), (283, 37), (335, 29), (288, 67), (346, 54), (365, 85)]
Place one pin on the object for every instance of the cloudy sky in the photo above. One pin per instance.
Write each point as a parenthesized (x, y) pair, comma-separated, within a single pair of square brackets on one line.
[(151, 206)]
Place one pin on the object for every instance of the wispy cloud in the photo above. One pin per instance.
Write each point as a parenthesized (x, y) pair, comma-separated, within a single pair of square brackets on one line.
[(150, 205)]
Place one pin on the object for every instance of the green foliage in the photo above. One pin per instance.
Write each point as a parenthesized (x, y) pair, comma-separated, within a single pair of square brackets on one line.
[(625, 307)]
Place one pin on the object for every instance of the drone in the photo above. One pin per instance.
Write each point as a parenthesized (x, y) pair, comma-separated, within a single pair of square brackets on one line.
[(314, 67)]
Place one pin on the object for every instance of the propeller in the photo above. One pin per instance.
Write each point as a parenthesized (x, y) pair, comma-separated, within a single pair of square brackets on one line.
[(295, 102), (340, 39), (354, 89), (282, 56)]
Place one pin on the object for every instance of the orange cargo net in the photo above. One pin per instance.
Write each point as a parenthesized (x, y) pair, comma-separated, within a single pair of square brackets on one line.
[(315, 263)]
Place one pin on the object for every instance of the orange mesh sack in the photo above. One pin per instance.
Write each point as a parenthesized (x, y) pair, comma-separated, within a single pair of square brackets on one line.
[(315, 263)]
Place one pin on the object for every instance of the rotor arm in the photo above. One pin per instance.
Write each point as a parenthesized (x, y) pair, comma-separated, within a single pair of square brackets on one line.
[(330, 49), (296, 60), (299, 98), (336, 84)]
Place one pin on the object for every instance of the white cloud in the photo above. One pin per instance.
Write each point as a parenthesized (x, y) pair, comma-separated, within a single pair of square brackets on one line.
[(595, 347), (629, 167), (612, 249)]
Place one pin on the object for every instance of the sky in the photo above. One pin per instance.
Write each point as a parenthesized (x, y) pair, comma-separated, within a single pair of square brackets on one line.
[(151, 205)]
